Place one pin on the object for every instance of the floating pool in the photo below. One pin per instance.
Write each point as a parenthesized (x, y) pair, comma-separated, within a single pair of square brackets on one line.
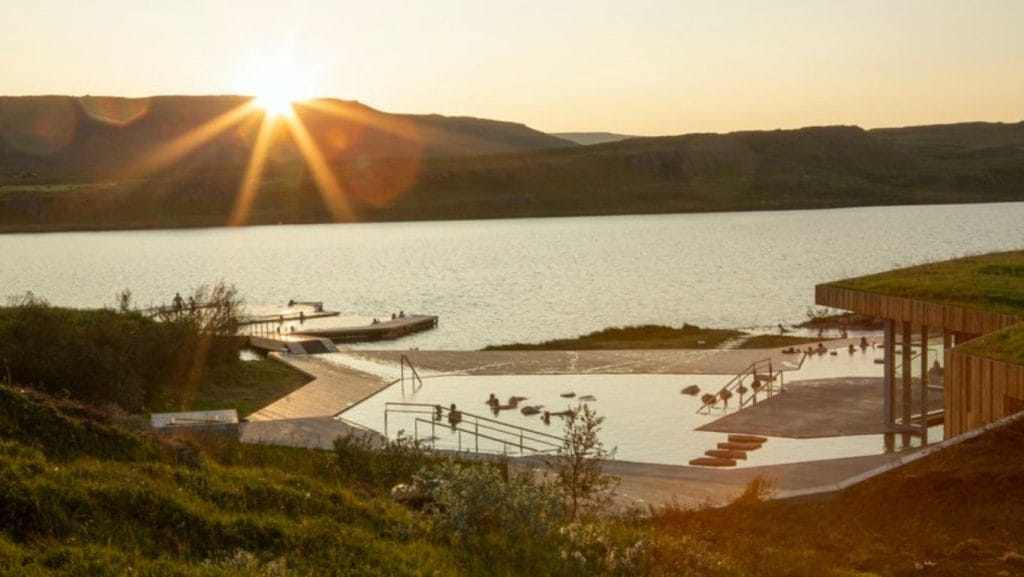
[(647, 418)]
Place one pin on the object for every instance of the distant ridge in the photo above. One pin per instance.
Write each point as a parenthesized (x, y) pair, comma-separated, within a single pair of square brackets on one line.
[(77, 131), (389, 167), (588, 138)]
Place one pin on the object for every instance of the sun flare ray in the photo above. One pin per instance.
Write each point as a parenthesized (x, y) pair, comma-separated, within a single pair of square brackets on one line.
[(330, 189), (253, 172), (181, 146)]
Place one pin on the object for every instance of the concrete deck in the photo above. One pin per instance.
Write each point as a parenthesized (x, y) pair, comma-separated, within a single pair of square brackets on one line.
[(310, 433), (808, 408), (708, 361), (696, 486), (332, 390), (817, 408)]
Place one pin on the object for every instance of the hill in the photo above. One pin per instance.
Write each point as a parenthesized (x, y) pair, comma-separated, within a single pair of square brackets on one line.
[(588, 138), (394, 167), (76, 132)]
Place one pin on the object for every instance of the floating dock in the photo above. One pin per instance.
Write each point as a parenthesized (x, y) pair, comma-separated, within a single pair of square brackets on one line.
[(382, 331)]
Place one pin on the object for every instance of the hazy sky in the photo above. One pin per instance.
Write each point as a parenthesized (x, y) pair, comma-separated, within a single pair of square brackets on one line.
[(633, 66)]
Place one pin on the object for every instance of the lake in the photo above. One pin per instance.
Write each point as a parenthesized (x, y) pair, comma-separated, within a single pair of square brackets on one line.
[(501, 281)]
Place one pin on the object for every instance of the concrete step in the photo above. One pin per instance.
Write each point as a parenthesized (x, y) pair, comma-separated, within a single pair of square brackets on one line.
[(713, 462), (747, 439), (731, 446), (724, 454)]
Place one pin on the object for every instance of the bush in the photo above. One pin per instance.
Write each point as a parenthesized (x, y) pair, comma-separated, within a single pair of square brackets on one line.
[(115, 356), (478, 498), (395, 461), (579, 476)]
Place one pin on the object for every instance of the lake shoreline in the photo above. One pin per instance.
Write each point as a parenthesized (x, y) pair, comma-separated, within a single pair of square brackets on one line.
[(215, 224)]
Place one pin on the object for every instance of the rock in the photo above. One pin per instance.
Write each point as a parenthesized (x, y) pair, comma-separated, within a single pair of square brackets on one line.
[(410, 496), (567, 395), (691, 390)]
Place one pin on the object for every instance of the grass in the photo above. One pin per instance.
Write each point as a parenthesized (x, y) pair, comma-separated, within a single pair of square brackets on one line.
[(1004, 345), (81, 493), (775, 341), (245, 386), (992, 282), (955, 513), (634, 337)]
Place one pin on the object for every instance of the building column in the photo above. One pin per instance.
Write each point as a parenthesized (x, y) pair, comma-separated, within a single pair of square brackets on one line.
[(924, 384), (889, 378), (908, 391)]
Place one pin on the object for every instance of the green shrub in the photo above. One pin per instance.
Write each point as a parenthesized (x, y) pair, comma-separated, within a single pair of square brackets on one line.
[(116, 356), (383, 464)]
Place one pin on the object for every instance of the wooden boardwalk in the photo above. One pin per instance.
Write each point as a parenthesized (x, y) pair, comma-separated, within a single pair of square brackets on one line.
[(332, 390)]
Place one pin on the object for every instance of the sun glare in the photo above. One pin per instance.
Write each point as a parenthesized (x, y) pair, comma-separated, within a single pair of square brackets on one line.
[(276, 84), (276, 104)]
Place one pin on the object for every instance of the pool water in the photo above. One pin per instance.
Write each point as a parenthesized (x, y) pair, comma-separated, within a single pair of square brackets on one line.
[(647, 418)]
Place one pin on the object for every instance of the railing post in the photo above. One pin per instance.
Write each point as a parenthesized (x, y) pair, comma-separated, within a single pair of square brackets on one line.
[(477, 432), (520, 442), (385, 421)]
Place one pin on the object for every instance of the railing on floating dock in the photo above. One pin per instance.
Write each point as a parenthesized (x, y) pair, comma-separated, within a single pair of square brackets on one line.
[(474, 427)]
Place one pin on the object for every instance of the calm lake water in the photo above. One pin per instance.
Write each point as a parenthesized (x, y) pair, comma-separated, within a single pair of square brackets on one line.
[(503, 281)]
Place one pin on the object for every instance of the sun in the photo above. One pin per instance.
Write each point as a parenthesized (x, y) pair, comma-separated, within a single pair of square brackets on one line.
[(276, 103), (276, 85)]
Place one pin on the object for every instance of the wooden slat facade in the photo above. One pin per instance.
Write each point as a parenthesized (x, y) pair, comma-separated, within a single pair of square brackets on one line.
[(978, 389), (917, 312)]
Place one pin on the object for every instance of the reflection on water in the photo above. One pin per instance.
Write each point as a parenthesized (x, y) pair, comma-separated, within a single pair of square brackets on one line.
[(519, 280)]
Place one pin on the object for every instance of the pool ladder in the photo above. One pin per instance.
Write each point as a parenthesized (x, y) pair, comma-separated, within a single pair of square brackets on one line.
[(414, 377)]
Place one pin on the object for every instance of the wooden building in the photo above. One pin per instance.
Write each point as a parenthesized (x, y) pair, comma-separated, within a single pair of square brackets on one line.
[(974, 307)]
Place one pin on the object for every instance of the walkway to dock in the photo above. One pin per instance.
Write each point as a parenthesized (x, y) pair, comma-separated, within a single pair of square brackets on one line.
[(332, 390)]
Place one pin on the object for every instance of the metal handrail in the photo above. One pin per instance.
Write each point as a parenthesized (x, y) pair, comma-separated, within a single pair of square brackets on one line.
[(477, 435), (415, 378), (737, 381), (521, 434)]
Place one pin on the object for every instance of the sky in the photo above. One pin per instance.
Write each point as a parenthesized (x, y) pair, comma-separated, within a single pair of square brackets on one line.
[(642, 67)]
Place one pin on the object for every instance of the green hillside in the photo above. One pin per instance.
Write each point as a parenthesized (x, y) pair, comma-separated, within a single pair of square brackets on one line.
[(84, 492), (87, 174)]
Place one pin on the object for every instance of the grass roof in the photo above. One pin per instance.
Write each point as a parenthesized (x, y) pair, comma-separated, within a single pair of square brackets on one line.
[(992, 282)]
